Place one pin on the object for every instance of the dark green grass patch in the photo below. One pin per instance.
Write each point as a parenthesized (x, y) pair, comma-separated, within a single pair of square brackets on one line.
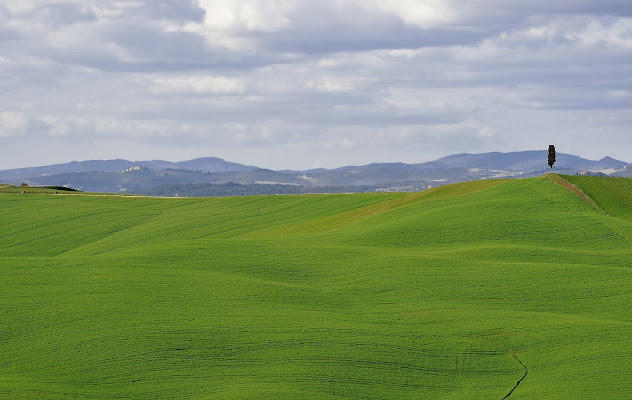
[(4, 188)]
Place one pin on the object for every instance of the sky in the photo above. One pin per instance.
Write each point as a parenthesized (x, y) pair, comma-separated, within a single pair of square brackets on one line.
[(299, 84)]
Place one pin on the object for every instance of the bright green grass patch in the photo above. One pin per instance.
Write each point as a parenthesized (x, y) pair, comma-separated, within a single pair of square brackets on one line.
[(432, 295), (613, 195)]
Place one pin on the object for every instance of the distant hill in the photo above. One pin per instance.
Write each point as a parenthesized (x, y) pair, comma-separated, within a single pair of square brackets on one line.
[(526, 160), (205, 164), (626, 172), (140, 176), (138, 180)]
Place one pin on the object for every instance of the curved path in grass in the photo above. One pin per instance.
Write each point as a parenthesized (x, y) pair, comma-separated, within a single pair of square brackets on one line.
[(526, 372)]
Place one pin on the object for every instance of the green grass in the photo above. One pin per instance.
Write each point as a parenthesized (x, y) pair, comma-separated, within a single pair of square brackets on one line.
[(613, 195), (440, 294)]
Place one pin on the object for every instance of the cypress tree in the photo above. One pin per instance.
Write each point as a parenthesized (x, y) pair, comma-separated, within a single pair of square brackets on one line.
[(551, 156)]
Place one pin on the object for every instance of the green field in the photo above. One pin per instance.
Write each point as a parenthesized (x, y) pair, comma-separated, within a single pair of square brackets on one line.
[(458, 292)]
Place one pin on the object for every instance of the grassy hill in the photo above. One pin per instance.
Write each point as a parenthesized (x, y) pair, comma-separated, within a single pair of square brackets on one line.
[(515, 289)]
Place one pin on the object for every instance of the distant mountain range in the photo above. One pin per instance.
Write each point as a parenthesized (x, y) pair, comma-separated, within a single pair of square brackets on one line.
[(206, 164), (170, 178), (528, 160)]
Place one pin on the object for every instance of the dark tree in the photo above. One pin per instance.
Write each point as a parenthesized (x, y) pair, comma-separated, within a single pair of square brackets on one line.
[(551, 156)]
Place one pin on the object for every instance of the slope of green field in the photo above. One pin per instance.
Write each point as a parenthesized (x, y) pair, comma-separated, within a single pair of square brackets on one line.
[(500, 289), (613, 195)]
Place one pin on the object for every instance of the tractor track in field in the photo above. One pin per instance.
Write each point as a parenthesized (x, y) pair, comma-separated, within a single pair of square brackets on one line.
[(526, 372), (563, 183)]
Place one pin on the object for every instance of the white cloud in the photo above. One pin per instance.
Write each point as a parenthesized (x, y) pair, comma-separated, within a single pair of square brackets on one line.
[(23, 6), (13, 124), (226, 22), (575, 30), (250, 15), (423, 13), (616, 34), (327, 84), (486, 131), (620, 94), (197, 85)]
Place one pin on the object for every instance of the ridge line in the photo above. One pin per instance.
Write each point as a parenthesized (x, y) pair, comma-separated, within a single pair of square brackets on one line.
[(563, 183)]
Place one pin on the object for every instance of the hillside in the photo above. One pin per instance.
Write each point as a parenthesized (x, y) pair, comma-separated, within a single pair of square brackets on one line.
[(490, 289)]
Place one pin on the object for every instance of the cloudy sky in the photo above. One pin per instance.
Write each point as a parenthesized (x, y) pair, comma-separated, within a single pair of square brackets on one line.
[(305, 83)]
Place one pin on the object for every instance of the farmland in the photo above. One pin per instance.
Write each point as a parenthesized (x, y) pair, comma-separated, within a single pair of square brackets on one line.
[(493, 289)]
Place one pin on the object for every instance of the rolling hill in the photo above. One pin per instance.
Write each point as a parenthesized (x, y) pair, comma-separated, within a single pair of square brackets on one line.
[(493, 289)]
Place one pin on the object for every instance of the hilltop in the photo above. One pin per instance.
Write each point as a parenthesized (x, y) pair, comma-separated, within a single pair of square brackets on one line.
[(488, 289)]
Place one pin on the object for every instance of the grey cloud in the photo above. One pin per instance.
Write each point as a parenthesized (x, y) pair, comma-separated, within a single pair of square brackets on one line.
[(100, 41), (18, 124), (325, 28), (7, 35), (578, 99), (602, 7), (149, 42), (56, 15), (506, 15), (175, 10)]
